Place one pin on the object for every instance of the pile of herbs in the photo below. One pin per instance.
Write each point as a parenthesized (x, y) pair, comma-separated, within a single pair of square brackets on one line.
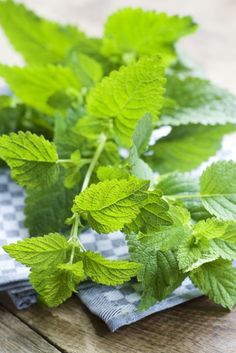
[(76, 131)]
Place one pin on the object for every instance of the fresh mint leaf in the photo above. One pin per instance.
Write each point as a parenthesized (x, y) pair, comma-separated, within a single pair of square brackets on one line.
[(87, 70), (153, 214), (111, 204), (118, 96), (46, 211), (138, 167), (32, 159), (131, 33), (76, 269), (197, 101), (35, 86), (192, 254), (54, 286), (206, 244), (108, 272), (40, 252), (186, 147), (110, 172), (169, 236), (218, 189), (178, 185), (39, 41), (142, 134), (217, 281)]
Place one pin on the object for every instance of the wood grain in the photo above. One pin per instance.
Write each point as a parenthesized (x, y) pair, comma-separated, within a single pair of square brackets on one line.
[(195, 327), (17, 337)]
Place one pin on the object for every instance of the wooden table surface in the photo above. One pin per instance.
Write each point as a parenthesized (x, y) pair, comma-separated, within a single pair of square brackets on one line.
[(198, 326)]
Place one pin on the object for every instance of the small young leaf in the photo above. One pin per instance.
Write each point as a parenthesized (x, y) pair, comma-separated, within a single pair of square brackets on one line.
[(40, 252), (142, 134), (108, 272), (217, 280), (192, 254), (32, 159), (77, 269), (138, 167), (111, 204)]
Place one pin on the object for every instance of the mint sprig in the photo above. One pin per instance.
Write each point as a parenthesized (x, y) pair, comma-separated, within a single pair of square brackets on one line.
[(80, 132)]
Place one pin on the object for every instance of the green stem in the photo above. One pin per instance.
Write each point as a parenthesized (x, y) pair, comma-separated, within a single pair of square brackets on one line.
[(76, 220), (102, 141)]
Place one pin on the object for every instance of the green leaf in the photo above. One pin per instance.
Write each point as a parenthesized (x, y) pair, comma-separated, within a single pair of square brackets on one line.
[(168, 237), (225, 249), (35, 85), (192, 254), (197, 101), (135, 32), (54, 286), (206, 244), (217, 280), (186, 147), (108, 272), (160, 275), (218, 189), (126, 95), (47, 211), (138, 167), (5, 101), (40, 252), (142, 134), (32, 159), (178, 185), (76, 269), (10, 119), (111, 204), (210, 228), (66, 137), (87, 70), (39, 41), (73, 170), (153, 214), (110, 172)]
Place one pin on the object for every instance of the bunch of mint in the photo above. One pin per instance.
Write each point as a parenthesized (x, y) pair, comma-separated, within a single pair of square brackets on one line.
[(76, 133)]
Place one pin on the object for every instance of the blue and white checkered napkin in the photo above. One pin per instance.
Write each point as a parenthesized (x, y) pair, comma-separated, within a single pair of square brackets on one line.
[(117, 306)]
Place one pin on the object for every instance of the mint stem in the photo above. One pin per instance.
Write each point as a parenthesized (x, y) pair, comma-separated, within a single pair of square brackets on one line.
[(74, 230), (102, 141)]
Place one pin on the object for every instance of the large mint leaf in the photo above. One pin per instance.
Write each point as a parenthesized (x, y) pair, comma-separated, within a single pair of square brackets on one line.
[(126, 95), (111, 204), (197, 101), (40, 85)]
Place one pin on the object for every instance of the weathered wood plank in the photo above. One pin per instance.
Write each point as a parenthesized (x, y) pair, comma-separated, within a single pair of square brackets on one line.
[(16, 337), (197, 326)]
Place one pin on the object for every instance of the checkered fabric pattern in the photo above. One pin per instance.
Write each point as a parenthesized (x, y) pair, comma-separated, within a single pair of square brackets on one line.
[(117, 306)]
